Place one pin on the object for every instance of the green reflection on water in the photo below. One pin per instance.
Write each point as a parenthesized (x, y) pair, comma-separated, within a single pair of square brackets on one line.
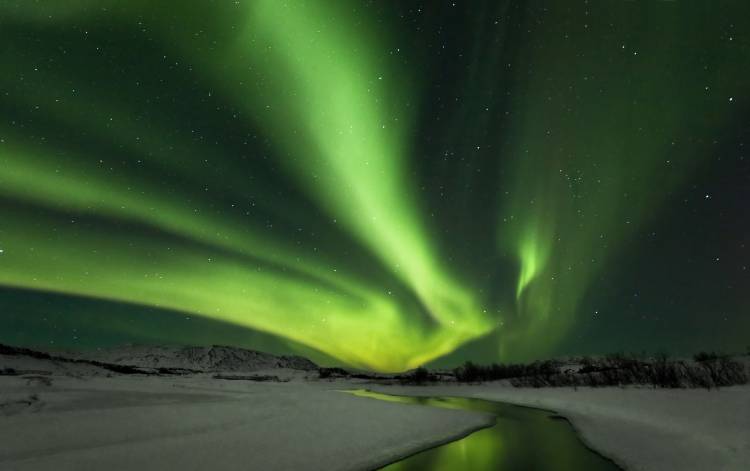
[(521, 439)]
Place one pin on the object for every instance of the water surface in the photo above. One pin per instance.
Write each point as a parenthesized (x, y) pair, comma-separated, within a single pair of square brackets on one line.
[(522, 439)]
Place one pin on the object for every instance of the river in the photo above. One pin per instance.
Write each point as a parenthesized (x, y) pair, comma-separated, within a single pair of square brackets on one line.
[(522, 438)]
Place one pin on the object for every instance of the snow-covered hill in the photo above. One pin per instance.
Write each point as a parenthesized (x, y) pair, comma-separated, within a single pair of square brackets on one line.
[(210, 358), (146, 360)]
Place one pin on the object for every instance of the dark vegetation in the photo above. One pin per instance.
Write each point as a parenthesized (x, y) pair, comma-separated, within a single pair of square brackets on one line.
[(473, 373), (707, 370), (330, 373), (259, 378), (419, 376)]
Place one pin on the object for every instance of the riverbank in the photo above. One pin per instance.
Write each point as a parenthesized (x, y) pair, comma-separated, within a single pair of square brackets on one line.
[(199, 423), (638, 428), (193, 422)]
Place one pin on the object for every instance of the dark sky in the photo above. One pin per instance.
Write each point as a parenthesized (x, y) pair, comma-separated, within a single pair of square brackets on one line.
[(378, 184)]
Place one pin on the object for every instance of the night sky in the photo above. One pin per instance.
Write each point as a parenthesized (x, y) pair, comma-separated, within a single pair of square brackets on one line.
[(376, 184)]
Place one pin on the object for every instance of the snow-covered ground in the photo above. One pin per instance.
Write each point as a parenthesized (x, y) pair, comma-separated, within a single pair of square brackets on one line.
[(198, 423), (57, 414), (639, 428)]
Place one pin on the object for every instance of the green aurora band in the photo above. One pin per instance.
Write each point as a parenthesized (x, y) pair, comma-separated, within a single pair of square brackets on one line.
[(121, 202)]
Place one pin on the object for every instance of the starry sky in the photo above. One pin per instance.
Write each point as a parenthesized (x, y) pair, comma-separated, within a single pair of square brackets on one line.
[(376, 184)]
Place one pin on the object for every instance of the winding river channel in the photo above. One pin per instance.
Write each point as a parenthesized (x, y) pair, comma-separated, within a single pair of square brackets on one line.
[(521, 439)]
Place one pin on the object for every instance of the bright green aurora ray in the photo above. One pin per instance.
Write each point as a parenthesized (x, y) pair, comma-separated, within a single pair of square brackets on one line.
[(306, 170)]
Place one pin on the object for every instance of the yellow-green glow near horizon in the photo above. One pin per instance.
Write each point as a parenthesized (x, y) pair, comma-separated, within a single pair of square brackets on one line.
[(379, 183)]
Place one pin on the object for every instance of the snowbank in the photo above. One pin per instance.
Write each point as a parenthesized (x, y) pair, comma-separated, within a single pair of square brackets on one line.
[(196, 423), (639, 428)]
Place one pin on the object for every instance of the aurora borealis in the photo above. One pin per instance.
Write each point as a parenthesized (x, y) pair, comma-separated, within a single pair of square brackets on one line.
[(385, 184)]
